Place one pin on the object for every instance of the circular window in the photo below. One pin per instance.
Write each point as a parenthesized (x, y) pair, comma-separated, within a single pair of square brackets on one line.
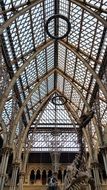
[(58, 27), (59, 100)]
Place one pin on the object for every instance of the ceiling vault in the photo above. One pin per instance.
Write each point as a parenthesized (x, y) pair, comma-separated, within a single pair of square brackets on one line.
[(33, 3), (88, 67), (21, 69)]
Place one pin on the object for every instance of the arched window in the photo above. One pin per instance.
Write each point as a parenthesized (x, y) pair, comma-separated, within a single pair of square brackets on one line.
[(32, 176), (49, 175), (38, 175), (44, 177)]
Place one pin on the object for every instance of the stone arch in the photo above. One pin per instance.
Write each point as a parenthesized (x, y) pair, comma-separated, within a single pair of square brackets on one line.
[(49, 174), (38, 176), (31, 168), (44, 177), (32, 176)]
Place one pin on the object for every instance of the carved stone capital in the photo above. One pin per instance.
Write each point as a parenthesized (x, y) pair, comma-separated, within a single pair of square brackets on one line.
[(16, 164), (94, 164), (6, 150), (2, 175), (22, 174)]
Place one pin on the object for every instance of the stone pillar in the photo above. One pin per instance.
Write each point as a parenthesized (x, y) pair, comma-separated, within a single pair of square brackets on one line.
[(14, 176), (21, 180), (23, 166), (95, 167), (55, 156), (62, 176), (29, 178), (104, 155), (26, 154), (3, 166), (46, 178), (104, 147)]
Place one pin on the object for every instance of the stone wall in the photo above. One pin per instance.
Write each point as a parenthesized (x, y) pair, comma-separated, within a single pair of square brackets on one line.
[(41, 167), (38, 183), (41, 187)]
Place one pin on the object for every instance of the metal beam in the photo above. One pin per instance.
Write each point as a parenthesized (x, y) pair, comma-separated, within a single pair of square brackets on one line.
[(11, 75), (40, 107), (51, 124), (99, 9), (36, 114), (33, 3), (72, 49), (80, 51), (93, 13), (34, 117), (31, 51), (17, 74), (19, 13), (86, 136), (9, 66), (31, 137), (34, 89), (59, 148), (60, 72), (34, 47), (67, 78), (17, 119), (56, 30), (75, 115), (51, 129), (101, 73), (72, 112)]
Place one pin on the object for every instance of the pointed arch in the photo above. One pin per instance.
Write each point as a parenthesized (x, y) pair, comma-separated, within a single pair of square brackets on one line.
[(26, 101), (73, 49), (34, 89), (72, 84), (43, 104), (21, 69)]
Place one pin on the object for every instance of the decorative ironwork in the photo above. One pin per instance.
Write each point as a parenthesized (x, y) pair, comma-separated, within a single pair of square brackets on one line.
[(58, 17), (59, 100)]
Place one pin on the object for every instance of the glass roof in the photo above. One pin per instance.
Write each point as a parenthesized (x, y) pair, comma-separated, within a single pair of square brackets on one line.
[(50, 134), (34, 66)]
